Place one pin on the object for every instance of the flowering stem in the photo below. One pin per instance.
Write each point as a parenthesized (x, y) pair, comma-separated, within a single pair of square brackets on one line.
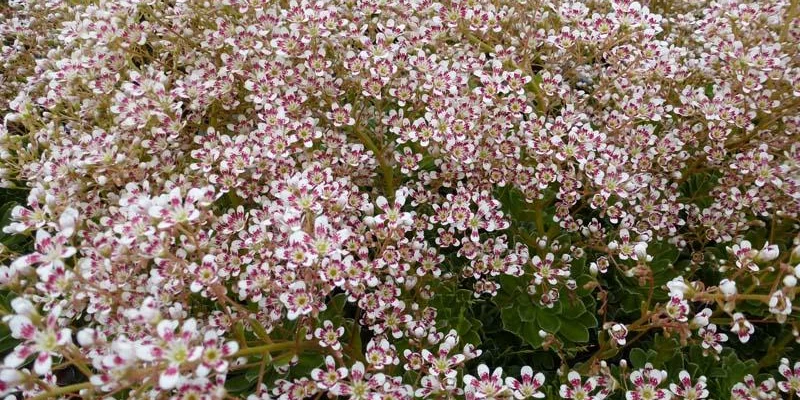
[(790, 14), (259, 330), (267, 348), (80, 365), (606, 345), (261, 373), (386, 169), (61, 390), (742, 296)]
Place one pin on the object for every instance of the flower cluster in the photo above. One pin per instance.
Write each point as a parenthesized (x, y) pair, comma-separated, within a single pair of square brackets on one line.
[(384, 199)]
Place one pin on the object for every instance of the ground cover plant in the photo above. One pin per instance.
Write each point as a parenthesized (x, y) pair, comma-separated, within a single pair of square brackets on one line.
[(396, 199)]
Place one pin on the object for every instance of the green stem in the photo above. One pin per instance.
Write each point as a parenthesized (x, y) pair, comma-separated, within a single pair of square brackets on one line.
[(267, 348), (540, 224), (61, 390), (791, 12), (259, 330), (386, 169)]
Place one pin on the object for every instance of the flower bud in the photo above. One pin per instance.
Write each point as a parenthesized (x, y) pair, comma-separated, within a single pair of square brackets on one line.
[(795, 256), (789, 281), (86, 337), (23, 306), (701, 318), (768, 253), (619, 332), (729, 306), (11, 376), (629, 273), (728, 288), (542, 243)]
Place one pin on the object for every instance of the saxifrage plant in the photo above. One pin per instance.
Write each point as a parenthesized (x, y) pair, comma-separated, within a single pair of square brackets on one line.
[(395, 199)]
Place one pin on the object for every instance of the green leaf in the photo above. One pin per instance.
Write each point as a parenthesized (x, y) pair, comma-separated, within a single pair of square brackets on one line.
[(514, 204), (530, 334), (581, 281), (239, 384), (578, 267), (454, 305), (574, 331), (7, 343), (588, 320), (511, 321), (708, 90), (668, 353), (638, 358), (573, 309), (527, 312), (548, 321), (307, 362)]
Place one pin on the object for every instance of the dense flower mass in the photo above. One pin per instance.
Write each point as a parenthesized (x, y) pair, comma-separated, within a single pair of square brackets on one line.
[(400, 199)]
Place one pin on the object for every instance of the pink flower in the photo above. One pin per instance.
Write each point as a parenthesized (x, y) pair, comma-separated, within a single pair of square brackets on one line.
[(172, 208), (792, 376), (619, 332), (749, 390), (328, 335), (485, 385), (768, 253), (51, 251), (745, 255), (173, 348), (380, 353), (780, 305), (711, 338), (393, 216), (325, 242), (528, 385), (43, 342), (687, 390), (442, 363), (297, 300), (204, 275), (215, 353), (578, 390), (361, 386), (645, 384), (340, 116), (331, 377), (742, 327), (701, 319), (544, 271), (677, 309)]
